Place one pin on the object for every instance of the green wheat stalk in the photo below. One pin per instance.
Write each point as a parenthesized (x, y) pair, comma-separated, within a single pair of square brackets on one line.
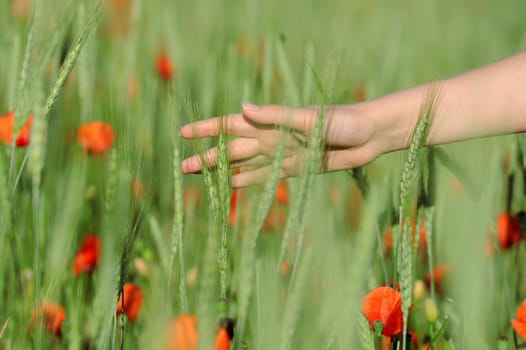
[(417, 143), (410, 172), (5, 208), (105, 295), (428, 224), (71, 58), (129, 241), (297, 213), (224, 200), (416, 237), (177, 227), (205, 311), (406, 277), (178, 220), (249, 242), (314, 162), (37, 140), (365, 333)]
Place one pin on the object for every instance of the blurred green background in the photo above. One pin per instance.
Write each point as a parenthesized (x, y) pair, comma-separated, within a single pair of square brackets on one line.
[(225, 52)]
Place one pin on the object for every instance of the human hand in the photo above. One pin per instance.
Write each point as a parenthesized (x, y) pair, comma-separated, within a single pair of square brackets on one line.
[(348, 138)]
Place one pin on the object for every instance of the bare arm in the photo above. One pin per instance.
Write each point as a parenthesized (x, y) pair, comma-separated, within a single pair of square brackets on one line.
[(489, 100)]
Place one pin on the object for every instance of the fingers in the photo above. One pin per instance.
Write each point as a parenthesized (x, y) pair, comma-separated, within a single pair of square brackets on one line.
[(236, 149), (348, 159), (259, 166), (233, 124), (293, 166), (252, 177), (301, 119), (258, 161)]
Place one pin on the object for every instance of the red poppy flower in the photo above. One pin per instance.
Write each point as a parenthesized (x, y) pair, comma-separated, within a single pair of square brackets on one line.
[(183, 334), (282, 195), (519, 323), (51, 315), (222, 341), (6, 129), (384, 304), (87, 256), (508, 230), (132, 300), (164, 66), (95, 137)]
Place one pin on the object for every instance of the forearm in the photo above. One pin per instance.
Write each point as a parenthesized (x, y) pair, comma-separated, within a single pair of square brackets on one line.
[(489, 100)]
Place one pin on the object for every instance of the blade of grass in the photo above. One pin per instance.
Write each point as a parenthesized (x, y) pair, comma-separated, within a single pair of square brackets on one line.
[(249, 243)]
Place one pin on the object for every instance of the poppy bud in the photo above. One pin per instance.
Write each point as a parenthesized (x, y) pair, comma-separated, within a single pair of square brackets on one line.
[(419, 289), (431, 310)]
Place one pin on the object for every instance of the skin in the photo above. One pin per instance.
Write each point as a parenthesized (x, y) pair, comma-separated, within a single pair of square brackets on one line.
[(489, 100)]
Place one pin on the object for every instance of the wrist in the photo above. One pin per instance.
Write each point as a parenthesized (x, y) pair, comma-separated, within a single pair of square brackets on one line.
[(392, 119)]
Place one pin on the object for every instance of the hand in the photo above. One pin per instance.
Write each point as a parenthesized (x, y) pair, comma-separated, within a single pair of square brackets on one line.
[(348, 138)]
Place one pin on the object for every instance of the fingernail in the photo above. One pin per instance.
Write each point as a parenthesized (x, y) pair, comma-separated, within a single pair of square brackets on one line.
[(249, 107), (184, 132)]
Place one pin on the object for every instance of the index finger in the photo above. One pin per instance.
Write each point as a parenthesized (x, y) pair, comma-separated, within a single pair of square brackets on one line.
[(233, 124)]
